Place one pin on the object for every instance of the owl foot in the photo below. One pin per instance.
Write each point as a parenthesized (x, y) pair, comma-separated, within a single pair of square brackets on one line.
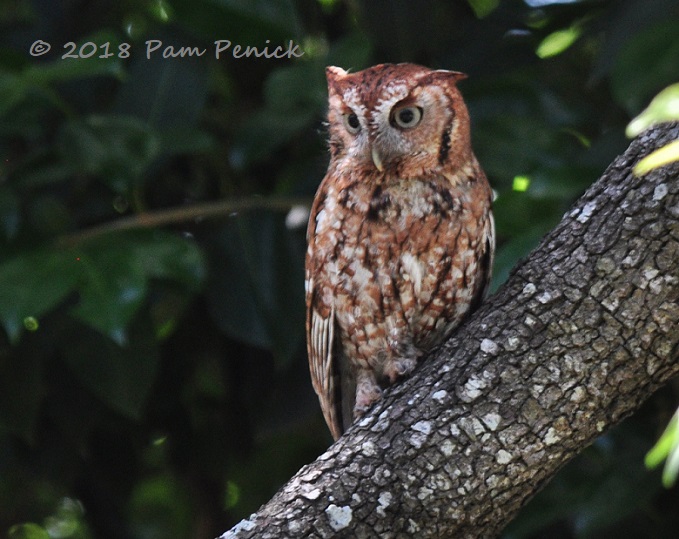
[(398, 368), (367, 392)]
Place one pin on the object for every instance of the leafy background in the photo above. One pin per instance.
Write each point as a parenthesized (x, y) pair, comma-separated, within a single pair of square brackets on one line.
[(153, 378)]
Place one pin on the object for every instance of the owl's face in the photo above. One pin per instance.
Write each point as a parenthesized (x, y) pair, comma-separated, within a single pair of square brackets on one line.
[(402, 119)]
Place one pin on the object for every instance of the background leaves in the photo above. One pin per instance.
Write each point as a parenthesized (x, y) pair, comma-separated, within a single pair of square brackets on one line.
[(153, 379)]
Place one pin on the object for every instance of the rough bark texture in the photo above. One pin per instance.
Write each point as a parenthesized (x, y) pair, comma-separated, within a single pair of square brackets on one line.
[(581, 334)]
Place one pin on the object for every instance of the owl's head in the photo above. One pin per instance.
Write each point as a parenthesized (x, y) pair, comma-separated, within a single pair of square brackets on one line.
[(402, 119)]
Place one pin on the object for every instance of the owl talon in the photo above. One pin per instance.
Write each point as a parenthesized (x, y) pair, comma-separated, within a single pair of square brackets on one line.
[(399, 368), (367, 393)]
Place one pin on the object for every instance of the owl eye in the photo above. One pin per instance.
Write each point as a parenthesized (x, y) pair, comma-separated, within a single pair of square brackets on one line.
[(406, 117), (352, 123)]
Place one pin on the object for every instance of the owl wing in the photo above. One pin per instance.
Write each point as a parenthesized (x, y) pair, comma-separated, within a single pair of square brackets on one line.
[(323, 350), (485, 261)]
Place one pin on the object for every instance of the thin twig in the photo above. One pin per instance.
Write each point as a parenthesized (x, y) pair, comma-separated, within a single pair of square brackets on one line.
[(206, 210)]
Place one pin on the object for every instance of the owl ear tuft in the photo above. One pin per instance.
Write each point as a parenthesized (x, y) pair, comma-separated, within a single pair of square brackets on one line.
[(334, 74), (454, 76)]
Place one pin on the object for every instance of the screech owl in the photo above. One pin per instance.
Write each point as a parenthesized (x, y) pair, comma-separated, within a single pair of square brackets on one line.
[(400, 236)]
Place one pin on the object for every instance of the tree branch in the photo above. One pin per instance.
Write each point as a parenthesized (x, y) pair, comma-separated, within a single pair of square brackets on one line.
[(584, 330), (169, 216)]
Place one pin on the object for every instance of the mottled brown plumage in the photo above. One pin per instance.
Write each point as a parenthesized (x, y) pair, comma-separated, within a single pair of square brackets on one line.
[(400, 235)]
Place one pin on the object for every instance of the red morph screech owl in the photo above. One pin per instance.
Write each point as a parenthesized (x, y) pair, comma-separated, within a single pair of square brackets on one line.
[(401, 235)]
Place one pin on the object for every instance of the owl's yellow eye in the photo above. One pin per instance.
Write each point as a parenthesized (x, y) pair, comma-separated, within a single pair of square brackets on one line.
[(406, 117), (352, 123)]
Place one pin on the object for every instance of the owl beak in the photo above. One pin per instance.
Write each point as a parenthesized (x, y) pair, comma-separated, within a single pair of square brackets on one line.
[(377, 159)]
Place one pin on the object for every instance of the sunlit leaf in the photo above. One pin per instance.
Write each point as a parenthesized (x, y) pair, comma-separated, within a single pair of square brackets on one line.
[(666, 448), (671, 470), (557, 42), (31, 323), (663, 156), (28, 531), (663, 108), (66, 520), (662, 448), (520, 183), (161, 10)]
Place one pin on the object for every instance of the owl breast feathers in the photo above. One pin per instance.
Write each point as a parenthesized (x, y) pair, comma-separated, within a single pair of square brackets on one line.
[(401, 235)]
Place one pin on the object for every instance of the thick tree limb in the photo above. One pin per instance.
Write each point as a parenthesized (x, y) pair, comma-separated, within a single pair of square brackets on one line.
[(581, 334)]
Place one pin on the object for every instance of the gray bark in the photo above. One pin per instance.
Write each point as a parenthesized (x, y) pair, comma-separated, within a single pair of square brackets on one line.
[(584, 330)]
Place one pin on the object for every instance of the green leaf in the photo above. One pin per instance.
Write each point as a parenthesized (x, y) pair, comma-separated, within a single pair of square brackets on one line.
[(117, 149), (121, 377), (13, 91), (116, 271), (34, 283), (300, 87), (663, 156), (258, 297), (161, 10), (267, 130), (114, 288), (66, 520), (353, 50), (483, 8), (520, 183), (185, 140), (667, 447), (68, 69), (663, 108), (160, 503), (669, 474), (28, 531), (557, 42), (162, 255)]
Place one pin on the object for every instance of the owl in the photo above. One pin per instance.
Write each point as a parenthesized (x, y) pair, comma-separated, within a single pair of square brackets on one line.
[(400, 235)]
